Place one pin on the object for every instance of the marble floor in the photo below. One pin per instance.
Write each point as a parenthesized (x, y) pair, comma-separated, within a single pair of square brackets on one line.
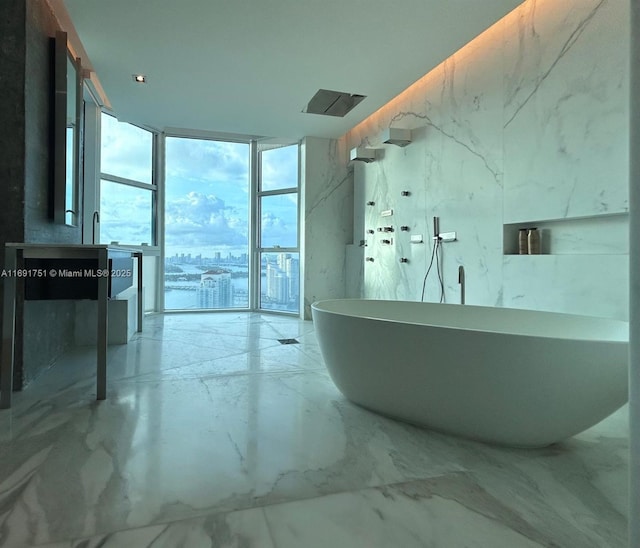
[(216, 435)]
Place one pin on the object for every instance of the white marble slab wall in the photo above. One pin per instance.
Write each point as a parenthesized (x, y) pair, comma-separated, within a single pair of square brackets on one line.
[(356, 252), (354, 271), (527, 123), (327, 206), (566, 81), (634, 312), (575, 284)]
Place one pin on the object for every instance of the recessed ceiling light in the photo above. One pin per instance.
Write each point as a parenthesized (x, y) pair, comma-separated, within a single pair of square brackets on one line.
[(139, 78)]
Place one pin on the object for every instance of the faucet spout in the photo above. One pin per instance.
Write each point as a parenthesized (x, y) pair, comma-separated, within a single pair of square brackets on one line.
[(461, 282), (96, 220)]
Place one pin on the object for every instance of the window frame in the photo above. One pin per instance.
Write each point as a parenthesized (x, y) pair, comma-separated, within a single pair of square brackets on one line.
[(156, 187), (259, 250), (204, 136), (151, 187)]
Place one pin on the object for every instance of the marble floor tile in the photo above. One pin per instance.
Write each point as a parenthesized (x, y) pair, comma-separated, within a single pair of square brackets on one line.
[(210, 425), (449, 511), (242, 529)]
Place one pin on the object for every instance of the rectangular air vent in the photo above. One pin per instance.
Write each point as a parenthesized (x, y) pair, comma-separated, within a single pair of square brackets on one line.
[(332, 103), (288, 341)]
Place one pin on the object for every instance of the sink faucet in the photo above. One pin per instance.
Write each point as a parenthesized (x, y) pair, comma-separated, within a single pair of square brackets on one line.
[(96, 220), (461, 282)]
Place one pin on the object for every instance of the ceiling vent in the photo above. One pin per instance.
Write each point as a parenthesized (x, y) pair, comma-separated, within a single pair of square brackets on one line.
[(332, 103)]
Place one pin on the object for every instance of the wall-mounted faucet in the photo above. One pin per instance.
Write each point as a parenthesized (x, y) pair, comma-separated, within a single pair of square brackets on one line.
[(461, 282)]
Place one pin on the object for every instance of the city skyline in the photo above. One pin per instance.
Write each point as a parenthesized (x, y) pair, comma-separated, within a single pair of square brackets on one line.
[(223, 282)]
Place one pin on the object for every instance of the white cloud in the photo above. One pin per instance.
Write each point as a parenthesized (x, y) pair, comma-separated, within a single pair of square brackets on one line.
[(280, 168), (203, 220), (126, 150), (206, 193), (125, 214), (203, 161), (276, 231)]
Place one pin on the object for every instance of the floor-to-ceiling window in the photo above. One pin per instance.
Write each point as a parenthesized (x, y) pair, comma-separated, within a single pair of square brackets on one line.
[(227, 221), (122, 207), (277, 247), (127, 185), (206, 224)]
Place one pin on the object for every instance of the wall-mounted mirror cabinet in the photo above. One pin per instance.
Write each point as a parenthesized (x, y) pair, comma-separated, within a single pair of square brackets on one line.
[(66, 133)]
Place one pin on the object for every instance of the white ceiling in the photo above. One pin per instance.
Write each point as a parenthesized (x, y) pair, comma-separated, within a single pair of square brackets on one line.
[(251, 66)]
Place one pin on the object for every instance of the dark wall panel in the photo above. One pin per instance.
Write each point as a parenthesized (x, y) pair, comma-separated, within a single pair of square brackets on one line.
[(48, 326), (12, 113), (12, 136), (25, 162)]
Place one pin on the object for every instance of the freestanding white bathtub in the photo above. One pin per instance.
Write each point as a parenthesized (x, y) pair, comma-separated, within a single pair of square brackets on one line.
[(512, 377)]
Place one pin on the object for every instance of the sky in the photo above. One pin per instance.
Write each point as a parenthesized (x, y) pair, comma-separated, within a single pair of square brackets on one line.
[(206, 194)]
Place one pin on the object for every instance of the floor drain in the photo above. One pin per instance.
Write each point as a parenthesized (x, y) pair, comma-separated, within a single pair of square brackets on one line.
[(288, 341)]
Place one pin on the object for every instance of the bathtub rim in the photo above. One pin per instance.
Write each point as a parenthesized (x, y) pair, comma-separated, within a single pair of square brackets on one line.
[(621, 325)]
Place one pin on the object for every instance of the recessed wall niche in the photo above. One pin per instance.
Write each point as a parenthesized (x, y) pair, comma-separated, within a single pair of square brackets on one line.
[(602, 234)]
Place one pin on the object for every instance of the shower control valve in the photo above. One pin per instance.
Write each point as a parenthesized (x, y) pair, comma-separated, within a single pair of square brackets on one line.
[(404, 260), (371, 203), (404, 228), (385, 229), (405, 193), (369, 259)]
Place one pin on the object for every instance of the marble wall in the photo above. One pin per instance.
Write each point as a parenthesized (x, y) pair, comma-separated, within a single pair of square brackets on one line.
[(634, 301), (525, 126), (327, 205)]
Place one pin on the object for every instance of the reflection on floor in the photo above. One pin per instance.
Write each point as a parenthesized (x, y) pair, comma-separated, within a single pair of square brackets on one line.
[(215, 434)]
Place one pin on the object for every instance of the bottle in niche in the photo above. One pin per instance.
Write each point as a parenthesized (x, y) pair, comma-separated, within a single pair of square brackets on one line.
[(523, 241), (534, 241)]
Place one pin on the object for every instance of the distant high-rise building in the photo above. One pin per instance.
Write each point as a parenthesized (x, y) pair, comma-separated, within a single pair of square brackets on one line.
[(282, 291), (216, 290), (293, 277), (282, 260), (272, 273), (283, 279)]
